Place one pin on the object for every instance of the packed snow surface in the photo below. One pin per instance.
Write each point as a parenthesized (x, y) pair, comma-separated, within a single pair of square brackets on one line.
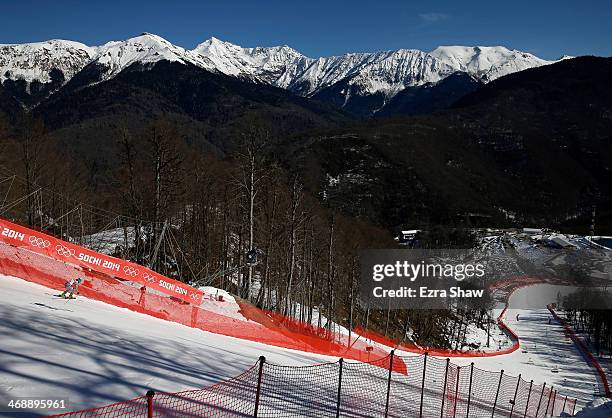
[(546, 354), (94, 353)]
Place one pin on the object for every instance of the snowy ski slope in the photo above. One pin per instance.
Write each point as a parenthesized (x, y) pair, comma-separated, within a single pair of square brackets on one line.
[(94, 353)]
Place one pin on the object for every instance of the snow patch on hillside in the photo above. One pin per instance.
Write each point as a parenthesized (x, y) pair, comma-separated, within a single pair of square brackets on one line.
[(221, 302)]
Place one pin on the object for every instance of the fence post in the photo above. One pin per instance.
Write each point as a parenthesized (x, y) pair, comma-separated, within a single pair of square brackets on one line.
[(540, 401), (389, 382), (456, 392), (501, 374), (262, 360), (444, 388), (548, 403), (341, 361), (564, 402), (518, 381), (150, 395), (423, 385), (528, 398), (467, 414), (574, 408)]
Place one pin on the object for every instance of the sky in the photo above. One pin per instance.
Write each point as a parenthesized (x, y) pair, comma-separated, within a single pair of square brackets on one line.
[(316, 28)]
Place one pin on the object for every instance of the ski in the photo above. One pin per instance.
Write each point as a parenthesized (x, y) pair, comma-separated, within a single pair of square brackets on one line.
[(64, 297)]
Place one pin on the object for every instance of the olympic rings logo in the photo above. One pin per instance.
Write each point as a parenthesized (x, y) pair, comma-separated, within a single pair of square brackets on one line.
[(39, 242), (149, 277), (63, 251), (130, 271)]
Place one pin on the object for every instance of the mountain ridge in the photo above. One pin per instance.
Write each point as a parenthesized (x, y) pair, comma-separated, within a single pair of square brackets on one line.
[(353, 76)]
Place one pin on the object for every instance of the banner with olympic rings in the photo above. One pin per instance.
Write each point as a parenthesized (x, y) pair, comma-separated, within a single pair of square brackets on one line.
[(41, 243)]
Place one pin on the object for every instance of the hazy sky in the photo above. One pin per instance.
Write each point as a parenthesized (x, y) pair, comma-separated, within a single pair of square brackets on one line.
[(546, 28)]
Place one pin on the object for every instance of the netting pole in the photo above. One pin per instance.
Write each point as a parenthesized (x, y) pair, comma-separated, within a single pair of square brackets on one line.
[(456, 392), (444, 387), (574, 408), (552, 408), (541, 396), (518, 381), (262, 360), (389, 382), (548, 403), (341, 361), (564, 402), (423, 385), (528, 398), (501, 374), (467, 414), (150, 395)]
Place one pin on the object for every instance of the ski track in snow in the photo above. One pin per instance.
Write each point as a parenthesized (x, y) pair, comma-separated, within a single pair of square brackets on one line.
[(95, 354), (544, 348)]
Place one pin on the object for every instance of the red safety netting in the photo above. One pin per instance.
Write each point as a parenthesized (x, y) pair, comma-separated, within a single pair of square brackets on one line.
[(378, 385), (231, 398), (506, 286), (265, 327), (412, 348), (52, 247), (603, 379), (24, 259), (432, 387)]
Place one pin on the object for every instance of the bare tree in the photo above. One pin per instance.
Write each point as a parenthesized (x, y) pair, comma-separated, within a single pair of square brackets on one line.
[(30, 145), (294, 220), (164, 159), (251, 168)]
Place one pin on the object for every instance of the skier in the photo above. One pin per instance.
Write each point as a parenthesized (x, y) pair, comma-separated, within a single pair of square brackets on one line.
[(72, 287)]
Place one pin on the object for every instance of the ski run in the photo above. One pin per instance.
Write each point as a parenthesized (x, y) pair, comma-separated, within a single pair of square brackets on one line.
[(93, 353)]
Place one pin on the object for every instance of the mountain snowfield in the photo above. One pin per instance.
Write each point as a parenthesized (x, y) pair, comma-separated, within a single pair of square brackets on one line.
[(386, 73), (144, 49), (487, 63), (35, 61)]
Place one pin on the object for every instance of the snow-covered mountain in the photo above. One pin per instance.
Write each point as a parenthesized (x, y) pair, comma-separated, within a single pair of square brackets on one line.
[(144, 49), (385, 72), (487, 63), (380, 73), (278, 65), (34, 61)]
